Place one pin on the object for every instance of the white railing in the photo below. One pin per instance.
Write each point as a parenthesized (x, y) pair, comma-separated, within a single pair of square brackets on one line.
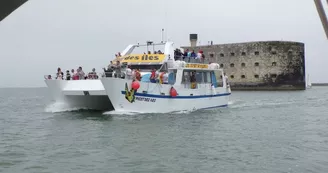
[(195, 59)]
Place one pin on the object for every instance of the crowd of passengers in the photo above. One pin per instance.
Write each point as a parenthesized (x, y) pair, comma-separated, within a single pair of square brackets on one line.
[(188, 55), (119, 70), (123, 71), (75, 75)]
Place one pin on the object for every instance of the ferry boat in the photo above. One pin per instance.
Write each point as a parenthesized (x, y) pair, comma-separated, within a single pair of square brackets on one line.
[(180, 94)]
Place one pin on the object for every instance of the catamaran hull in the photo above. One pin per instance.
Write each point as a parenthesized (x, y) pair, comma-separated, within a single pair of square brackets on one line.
[(84, 94), (154, 102)]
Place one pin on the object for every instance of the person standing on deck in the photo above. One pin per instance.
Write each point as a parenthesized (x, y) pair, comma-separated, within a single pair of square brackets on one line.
[(117, 69), (133, 74), (68, 75), (193, 80), (165, 77), (138, 75), (193, 56), (226, 79), (81, 74), (128, 72), (59, 74), (153, 76)]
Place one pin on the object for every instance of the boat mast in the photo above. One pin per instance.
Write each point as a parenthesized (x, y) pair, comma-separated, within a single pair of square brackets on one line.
[(162, 35), (322, 15)]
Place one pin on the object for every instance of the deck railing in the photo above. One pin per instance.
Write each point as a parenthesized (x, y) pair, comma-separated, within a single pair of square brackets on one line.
[(195, 60)]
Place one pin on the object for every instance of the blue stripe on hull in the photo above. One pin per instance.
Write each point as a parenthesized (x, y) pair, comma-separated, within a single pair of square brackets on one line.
[(178, 97)]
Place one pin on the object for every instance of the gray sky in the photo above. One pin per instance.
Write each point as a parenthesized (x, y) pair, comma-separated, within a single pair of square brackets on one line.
[(45, 34)]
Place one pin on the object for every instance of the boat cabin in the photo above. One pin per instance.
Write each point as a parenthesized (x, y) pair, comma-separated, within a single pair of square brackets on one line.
[(189, 75), (194, 75)]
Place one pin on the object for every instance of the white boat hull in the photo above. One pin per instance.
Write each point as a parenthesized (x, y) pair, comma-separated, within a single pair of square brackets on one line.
[(155, 102), (84, 94)]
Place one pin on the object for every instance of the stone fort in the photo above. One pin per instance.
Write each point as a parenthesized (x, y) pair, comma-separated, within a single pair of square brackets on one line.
[(261, 65)]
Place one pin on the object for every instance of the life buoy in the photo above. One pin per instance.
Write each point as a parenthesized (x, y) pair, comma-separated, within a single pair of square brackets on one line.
[(135, 85), (173, 92)]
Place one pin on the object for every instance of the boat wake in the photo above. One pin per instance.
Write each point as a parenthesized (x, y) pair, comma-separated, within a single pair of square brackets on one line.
[(114, 112), (238, 104), (61, 107)]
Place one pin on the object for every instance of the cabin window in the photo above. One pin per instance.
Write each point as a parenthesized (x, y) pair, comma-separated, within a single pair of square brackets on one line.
[(243, 64), (243, 76), (218, 76), (207, 77), (232, 76), (232, 65), (257, 53), (256, 64), (256, 76), (186, 77), (172, 77), (204, 77), (243, 54), (199, 77)]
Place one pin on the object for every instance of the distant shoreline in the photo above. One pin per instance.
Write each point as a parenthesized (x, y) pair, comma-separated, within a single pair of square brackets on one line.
[(319, 84)]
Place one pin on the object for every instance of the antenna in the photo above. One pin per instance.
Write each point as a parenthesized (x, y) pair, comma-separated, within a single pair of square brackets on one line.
[(162, 35), (322, 15)]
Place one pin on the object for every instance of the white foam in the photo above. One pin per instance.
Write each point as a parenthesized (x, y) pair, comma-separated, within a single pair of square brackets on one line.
[(183, 112), (60, 107), (114, 112)]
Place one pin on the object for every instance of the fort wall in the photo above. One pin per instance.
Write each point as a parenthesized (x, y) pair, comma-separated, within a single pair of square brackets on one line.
[(263, 65)]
